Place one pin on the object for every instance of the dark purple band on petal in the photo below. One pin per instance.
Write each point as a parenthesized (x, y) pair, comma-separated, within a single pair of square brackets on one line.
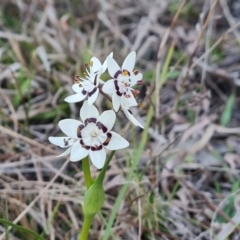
[(92, 92), (83, 145), (117, 73), (109, 136), (79, 129), (84, 92), (130, 111), (117, 88), (101, 126), (90, 120), (96, 148), (95, 80), (66, 143)]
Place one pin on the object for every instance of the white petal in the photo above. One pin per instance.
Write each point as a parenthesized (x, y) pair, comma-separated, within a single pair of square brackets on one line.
[(109, 87), (65, 152), (96, 64), (117, 142), (98, 158), (107, 118), (130, 101), (88, 111), (62, 142), (104, 66), (135, 78), (93, 97), (69, 127), (75, 98), (116, 101), (113, 67), (101, 81), (78, 152), (132, 119), (76, 88), (129, 62)]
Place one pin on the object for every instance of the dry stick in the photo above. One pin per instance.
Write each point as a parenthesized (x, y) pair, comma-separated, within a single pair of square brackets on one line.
[(229, 18), (37, 198), (26, 139), (159, 56), (194, 52), (10, 106)]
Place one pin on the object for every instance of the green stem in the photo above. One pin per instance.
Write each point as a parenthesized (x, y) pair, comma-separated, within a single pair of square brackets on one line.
[(104, 169), (86, 171), (85, 229)]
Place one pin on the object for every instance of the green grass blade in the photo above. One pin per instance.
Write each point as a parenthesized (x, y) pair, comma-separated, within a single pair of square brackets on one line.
[(227, 113), (21, 229), (136, 158)]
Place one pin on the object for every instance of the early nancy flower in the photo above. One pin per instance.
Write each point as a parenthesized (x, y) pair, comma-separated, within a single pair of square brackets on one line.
[(91, 136), (123, 80), (88, 85)]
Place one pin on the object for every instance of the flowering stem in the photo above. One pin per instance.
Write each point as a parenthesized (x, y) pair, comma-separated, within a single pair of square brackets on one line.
[(85, 229), (94, 197), (86, 171)]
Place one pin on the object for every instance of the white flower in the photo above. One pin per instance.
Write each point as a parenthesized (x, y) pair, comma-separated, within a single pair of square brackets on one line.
[(123, 80), (88, 85), (91, 136), (126, 103)]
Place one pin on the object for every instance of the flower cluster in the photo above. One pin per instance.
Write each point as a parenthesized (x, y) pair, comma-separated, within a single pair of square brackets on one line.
[(92, 135)]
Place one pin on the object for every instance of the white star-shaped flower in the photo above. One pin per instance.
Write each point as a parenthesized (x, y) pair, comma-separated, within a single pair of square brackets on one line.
[(123, 80), (91, 136), (88, 85)]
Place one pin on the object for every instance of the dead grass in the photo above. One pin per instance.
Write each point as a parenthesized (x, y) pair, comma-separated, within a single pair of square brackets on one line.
[(189, 54)]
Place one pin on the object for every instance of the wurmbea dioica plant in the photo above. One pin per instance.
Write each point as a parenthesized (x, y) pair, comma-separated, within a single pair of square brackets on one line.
[(92, 135)]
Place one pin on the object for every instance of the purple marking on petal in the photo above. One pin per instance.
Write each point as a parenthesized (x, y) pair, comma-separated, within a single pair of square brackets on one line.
[(117, 73), (96, 148), (130, 111), (95, 80), (101, 126), (79, 129), (84, 92), (92, 92), (83, 145), (117, 88), (66, 142), (90, 120), (109, 136)]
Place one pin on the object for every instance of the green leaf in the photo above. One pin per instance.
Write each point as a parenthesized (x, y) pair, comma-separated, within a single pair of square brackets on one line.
[(227, 113), (21, 229)]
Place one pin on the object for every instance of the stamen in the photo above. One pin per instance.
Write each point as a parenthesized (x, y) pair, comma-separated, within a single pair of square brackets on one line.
[(77, 79), (135, 72), (125, 73), (91, 63), (140, 105), (84, 74)]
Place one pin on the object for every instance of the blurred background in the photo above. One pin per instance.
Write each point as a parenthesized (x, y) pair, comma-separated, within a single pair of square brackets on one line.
[(180, 177)]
